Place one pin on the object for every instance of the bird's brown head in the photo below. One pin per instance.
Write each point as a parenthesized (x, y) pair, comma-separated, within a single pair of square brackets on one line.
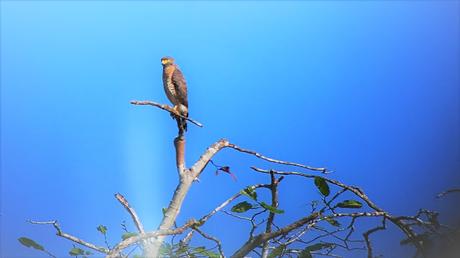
[(167, 60)]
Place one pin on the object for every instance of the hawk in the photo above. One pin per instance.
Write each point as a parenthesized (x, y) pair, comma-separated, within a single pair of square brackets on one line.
[(176, 90)]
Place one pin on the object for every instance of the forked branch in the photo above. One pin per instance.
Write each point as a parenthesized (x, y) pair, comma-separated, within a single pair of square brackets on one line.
[(131, 212), (72, 238)]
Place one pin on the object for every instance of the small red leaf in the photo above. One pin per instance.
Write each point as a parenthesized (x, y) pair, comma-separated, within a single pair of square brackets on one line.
[(225, 169)]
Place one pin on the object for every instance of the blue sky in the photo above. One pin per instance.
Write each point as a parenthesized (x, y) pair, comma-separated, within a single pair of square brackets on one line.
[(367, 89)]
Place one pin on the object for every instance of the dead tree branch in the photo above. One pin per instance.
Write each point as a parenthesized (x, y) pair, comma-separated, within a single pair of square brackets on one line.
[(229, 200), (165, 107), (204, 159), (217, 241), (368, 241), (271, 216), (74, 239), (179, 145), (264, 237), (260, 156), (136, 239), (131, 212), (406, 229), (453, 190)]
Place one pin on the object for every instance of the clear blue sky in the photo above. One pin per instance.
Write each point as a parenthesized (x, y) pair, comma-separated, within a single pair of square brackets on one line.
[(367, 89)]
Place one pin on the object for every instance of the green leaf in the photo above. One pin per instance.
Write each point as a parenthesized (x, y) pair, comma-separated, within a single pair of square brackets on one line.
[(271, 208), (250, 192), (182, 249), (200, 249), (241, 207), (333, 222), (322, 186), (163, 210), (128, 235), (30, 243), (277, 252), (165, 249), (350, 204), (305, 254), (102, 229), (318, 246), (211, 254), (76, 251), (88, 253)]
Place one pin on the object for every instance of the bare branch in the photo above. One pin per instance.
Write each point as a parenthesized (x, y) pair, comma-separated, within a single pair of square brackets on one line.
[(264, 237), (260, 156), (453, 190), (357, 191), (271, 216), (199, 166), (167, 108), (368, 233), (360, 193), (136, 239), (229, 200), (186, 239), (179, 144), (172, 211), (219, 244), (77, 240), (131, 211)]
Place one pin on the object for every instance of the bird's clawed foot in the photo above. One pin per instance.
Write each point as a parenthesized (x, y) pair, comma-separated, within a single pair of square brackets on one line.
[(174, 115)]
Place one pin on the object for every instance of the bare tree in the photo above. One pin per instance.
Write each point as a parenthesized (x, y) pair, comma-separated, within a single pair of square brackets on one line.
[(330, 226)]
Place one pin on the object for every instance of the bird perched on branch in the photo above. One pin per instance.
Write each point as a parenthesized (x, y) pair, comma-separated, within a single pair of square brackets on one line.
[(176, 90)]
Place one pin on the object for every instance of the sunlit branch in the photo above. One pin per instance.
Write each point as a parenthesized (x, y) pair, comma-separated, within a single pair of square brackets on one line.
[(131, 212), (136, 239)]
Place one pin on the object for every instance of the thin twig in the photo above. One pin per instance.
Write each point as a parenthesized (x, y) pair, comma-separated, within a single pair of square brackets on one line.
[(167, 108), (219, 244), (368, 233), (360, 193), (77, 240), (229, 200), (453, 190), (233, 146), (136, 239), (271, 216), (263, 237), (131, 211), (357, 191), (186, 239)]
